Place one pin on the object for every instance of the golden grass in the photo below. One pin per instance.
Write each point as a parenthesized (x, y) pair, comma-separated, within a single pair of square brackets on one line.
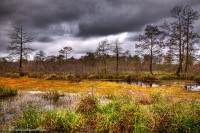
[(97, 87)]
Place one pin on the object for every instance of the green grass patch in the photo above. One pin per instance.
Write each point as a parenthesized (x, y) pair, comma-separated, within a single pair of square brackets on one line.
[(120, 114), (6, 92)]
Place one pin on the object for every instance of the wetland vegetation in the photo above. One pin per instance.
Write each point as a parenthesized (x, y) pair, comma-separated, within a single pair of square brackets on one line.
[(155, 89)]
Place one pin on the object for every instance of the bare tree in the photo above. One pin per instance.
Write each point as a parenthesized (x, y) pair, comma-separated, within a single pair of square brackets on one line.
[(102, 51), (18, 44), (189, 16), (117, 49), (152, 43)]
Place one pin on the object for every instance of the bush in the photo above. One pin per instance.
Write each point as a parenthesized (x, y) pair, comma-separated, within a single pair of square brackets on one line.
[(70, 77), (54, 77), (12, 75), (169, 76), (148, 77), (197, 78), (5, 92), (35, 75)]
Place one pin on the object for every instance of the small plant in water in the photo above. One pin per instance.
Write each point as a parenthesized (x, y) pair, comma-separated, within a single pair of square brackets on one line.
[(54, 95)]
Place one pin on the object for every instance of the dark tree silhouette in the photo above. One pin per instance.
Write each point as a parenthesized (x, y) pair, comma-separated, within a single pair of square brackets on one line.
[(18, 44), (181, 36), (40, 56), (117, 49), (189, 17), (102, 51), (66, 51), (152, 43)]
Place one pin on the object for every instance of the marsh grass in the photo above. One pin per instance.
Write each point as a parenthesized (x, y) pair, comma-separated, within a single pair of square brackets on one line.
[(120, 114), (88, 105), (7, 92)]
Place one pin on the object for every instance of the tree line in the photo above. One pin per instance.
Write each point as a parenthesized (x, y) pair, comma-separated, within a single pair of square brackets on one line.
[(173, 44)]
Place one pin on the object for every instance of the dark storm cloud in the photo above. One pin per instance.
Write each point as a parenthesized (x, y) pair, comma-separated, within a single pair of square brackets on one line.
[(49, 18), (95, 18), (45, 39), (115, 16)]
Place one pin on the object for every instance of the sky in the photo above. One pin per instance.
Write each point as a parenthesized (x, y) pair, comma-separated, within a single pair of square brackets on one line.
[(82, 24)]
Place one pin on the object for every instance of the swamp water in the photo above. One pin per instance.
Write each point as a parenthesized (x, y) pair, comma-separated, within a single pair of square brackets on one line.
[(12, 108), (193, 86)]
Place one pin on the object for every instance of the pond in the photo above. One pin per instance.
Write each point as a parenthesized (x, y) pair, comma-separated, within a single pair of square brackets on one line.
[(193, 86), (11, 108)]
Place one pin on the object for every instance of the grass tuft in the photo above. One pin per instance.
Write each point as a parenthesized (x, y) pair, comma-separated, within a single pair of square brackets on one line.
[(88, 105), (52, 95), (6, 92)]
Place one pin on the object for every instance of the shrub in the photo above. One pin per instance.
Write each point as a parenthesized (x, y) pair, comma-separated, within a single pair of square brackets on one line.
[(54, 77), (148, 77), (197, 78), (169, 76), (35, 75), (70, 77), (12, 75), (6, 92)]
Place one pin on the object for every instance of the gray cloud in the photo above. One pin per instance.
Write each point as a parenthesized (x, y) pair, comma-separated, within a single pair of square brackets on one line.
[(48, 19)]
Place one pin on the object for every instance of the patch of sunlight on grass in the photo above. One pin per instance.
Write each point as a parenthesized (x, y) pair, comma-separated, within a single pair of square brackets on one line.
[(97, 87)]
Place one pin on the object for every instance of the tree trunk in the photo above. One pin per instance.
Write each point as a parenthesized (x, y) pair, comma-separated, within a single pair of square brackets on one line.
[(117, 62), (105, 66), (21, 50), (187, 47), (151, 59), (180, 57)]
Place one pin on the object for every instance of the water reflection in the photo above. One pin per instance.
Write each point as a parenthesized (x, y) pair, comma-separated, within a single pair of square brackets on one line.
[(140, 83), (192, 87)]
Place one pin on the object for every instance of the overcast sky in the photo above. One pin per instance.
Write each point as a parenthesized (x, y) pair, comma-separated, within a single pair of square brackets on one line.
[(83, 23)]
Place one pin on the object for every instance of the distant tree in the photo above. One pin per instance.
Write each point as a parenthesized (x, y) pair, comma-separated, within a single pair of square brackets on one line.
[(60, 58), (152, 44), (40, 56), (18, 44), (117, 50), (102, 51), (66, 51), (168, 58), (90, 58), (51, 58), (127, 56)]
